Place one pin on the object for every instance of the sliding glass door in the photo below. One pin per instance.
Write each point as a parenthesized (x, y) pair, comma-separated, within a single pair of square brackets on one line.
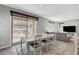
[(19, 29), (32, 28), (24, 27)]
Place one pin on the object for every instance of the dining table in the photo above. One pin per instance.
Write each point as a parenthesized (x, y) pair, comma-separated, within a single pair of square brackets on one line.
[(43, 40)]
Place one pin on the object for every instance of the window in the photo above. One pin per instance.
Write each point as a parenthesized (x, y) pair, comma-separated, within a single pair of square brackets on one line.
[(19, 28), (32, 28), (24, 26)]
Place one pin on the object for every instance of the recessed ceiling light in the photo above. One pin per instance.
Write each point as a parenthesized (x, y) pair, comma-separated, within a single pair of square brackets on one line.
[(77, 5), (70, 12), (65, 17), (41, 5)]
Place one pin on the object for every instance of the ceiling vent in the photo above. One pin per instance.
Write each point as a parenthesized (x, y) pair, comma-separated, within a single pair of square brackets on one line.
[(51, 22)]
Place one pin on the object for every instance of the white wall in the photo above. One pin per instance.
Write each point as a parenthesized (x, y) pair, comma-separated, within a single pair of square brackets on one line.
[(5, 27), (44, 25)]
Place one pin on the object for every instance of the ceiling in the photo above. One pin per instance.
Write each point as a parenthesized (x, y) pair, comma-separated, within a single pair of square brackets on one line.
[(56, 12)]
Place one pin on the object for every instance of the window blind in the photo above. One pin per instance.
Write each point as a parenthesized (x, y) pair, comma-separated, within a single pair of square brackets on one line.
[(13, 13)]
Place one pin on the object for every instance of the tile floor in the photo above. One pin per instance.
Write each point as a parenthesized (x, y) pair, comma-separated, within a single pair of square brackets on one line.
[(59, 48)]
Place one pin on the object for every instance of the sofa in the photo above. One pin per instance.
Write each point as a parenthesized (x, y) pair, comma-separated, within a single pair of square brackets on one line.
[(62, 37)]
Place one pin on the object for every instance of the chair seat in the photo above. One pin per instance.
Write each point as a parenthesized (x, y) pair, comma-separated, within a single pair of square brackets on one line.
[(46, 41), (35, 45)]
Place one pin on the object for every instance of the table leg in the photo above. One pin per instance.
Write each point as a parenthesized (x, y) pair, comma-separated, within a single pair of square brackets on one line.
[(27, 48)]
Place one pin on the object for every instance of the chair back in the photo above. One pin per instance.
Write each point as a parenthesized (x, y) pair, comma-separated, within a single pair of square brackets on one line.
[(49, 37), (38, 37), (37, 40)]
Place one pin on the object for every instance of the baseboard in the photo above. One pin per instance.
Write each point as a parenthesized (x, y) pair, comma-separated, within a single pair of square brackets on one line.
[(5, 47)]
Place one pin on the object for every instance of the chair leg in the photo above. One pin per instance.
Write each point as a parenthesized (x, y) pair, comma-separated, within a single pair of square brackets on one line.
[(41, 51)]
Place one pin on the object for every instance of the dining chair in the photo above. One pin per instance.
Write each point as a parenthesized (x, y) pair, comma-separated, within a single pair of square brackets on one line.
[(47, 41), (35, 46)]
